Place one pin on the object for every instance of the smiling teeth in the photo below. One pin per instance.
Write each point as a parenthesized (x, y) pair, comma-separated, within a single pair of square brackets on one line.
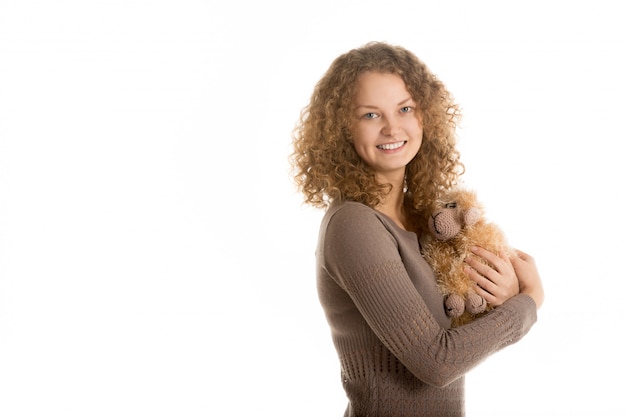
[(390, 146)]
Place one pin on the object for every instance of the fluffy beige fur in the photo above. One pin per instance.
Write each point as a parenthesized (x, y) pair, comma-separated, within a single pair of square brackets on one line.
[(456, 224)]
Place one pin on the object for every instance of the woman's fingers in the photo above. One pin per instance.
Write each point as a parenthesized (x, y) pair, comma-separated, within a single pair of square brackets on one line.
[(500, 262), (494, 275), (483, 284), (528, 276)]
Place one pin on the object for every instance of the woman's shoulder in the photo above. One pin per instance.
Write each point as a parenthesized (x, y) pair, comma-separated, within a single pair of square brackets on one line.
[(352, 221), (347, 207), (350, 213)]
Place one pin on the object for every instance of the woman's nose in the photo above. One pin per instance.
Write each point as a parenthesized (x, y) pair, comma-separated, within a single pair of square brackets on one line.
[(390, 127)]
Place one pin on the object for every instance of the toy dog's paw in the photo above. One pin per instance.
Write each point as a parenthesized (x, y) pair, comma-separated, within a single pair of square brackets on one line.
[(475, 304), (455, 305)]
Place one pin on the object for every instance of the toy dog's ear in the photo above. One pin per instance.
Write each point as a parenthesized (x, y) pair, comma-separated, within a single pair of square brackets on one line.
[(471, 216)]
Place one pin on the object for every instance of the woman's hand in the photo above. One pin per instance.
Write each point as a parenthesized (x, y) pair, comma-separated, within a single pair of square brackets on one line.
[(528, 276), (497, 284)]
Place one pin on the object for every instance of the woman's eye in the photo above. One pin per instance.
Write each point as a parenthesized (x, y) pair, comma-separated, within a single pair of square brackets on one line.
[(406, 109), (369, 116)]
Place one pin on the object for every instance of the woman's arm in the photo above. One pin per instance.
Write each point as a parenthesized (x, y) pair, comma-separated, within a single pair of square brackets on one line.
[(362, 257)]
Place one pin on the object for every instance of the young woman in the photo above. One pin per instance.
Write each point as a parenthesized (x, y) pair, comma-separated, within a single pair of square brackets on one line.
[(374, 146)]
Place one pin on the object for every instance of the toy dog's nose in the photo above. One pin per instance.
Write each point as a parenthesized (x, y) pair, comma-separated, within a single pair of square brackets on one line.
[(443, 225)]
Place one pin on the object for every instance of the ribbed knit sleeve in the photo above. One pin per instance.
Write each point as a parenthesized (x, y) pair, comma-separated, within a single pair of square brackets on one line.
[(366, 289)]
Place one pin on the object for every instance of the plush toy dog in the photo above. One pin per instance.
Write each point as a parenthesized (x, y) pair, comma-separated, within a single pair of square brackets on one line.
[(456, 224)]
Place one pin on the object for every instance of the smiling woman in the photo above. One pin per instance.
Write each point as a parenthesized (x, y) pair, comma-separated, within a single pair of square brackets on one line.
[(375, 145)]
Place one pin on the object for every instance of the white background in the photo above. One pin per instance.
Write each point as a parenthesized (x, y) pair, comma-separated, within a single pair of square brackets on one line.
[(154, 256)]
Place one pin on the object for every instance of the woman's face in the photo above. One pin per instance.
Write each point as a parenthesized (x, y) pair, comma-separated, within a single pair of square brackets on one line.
[(387, 130)]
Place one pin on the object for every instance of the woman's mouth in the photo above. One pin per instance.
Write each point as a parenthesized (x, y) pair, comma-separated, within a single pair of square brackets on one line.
[(391, 146)]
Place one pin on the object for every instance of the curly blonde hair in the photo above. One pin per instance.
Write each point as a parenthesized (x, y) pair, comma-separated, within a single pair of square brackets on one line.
[(324, 162)]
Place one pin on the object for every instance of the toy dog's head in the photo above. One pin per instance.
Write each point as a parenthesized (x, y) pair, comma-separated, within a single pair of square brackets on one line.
[(454, 211)]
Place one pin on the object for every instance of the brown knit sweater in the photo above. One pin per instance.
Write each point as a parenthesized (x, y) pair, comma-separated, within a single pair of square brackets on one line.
[(399, 357)]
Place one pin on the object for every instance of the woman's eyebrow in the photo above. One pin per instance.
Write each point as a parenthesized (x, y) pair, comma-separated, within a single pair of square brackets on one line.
[(370, 106), (405, 101)]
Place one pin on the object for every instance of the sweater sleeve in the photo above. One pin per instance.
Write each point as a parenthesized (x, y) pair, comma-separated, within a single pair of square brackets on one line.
[(362, 256)]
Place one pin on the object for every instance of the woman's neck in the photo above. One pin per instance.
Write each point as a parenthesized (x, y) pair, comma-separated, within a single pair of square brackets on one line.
[(393, 207)]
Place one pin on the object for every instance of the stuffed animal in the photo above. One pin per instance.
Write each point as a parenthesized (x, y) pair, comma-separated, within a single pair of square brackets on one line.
[(457, 222)]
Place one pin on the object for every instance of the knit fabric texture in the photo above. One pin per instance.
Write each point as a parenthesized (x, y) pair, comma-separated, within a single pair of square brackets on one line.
[(399, 356)]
